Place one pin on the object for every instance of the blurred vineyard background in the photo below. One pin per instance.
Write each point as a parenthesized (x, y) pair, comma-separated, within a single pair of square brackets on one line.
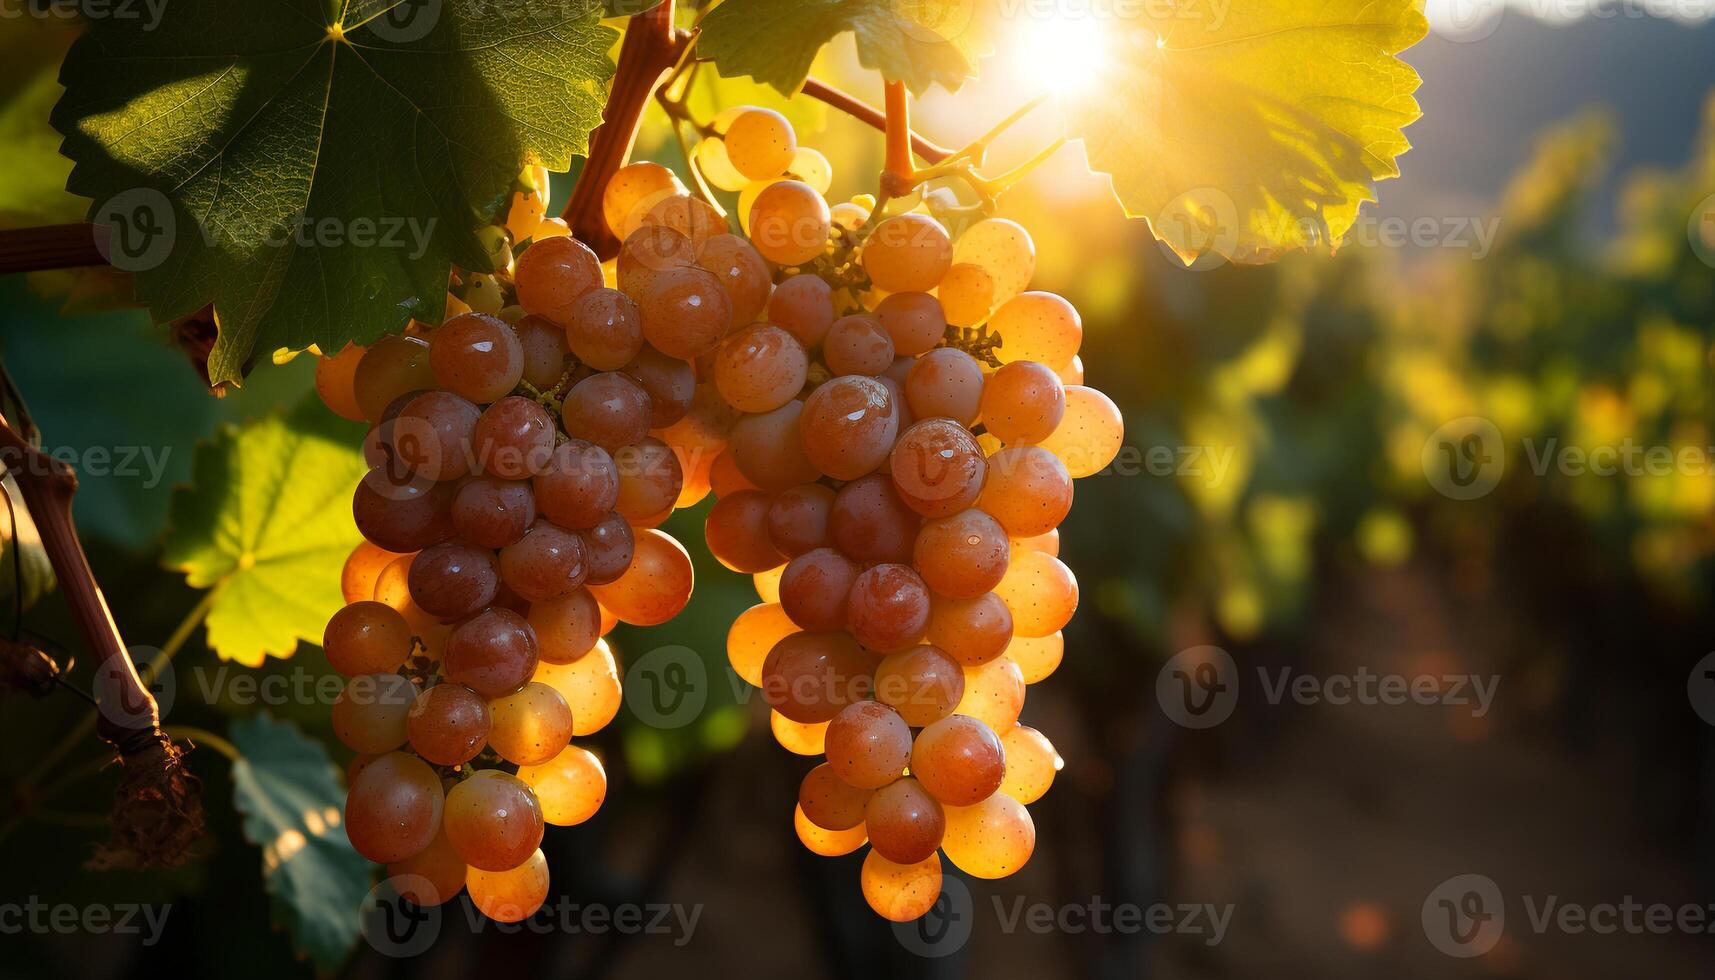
[(1301, 532)]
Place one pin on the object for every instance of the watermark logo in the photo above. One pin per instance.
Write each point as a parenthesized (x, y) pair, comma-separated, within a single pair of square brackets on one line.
[(1205, 223), (1701, 231), (945, 928), (1465, 916), (1465, 458), (141, 229), (1198, 688), (1465, 21), (115, 698), (406, 21), (393, 924), (933, 21), (1700, 689), (667, 687)]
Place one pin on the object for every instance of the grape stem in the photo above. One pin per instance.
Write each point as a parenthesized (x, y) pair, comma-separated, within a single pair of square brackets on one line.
[(202, 736), (966, 163), (900, 173)]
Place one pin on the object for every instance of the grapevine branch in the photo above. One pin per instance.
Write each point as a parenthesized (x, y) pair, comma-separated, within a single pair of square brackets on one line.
[(650, 50), (158, 807), (866, 113), (52, 247)]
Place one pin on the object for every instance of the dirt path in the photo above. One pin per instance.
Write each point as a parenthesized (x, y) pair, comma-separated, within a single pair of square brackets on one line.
[(1332, 836)]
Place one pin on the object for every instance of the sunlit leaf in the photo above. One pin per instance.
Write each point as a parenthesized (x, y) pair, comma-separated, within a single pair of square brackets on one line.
[(314, 168), (288, 793), (1254, 132), (918, 42), (267, 524), (32, 172)]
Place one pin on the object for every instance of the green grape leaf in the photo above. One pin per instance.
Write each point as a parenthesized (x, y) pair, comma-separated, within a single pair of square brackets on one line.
[(32, 172), (628, 8), (314, 167), (267, 524), (1255, 133), (918, 42), (288, 794)]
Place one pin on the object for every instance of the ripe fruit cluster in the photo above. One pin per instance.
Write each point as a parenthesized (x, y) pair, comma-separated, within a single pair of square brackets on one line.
[(510, 513), (908, 423)]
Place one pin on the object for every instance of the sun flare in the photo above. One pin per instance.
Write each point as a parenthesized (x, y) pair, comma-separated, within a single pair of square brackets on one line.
[(1064, 53)]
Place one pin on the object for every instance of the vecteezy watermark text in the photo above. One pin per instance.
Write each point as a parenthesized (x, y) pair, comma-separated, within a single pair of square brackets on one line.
[(951, 921), (1199, 688), (64, 918), (1465, 458), (120, 462), (1466, 915)]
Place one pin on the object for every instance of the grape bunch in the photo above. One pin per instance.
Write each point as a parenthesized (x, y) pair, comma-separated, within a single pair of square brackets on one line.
[(510, 520), (907, 420)]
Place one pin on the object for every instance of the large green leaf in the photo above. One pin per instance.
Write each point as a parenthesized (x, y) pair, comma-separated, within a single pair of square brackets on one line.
[(289, 795), (314, 174), (918, 42), (32, 172), (1253, 133), (267, 524)]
